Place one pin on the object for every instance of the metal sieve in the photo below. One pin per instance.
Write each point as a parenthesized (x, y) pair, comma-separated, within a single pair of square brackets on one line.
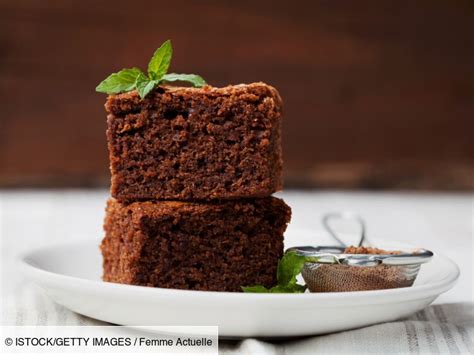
[(336, 271)]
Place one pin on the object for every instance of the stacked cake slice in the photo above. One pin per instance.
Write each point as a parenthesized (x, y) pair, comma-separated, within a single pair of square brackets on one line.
[(193, 170)]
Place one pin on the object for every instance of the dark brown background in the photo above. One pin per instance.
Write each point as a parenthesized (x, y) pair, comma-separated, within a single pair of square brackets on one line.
[(377, 93)]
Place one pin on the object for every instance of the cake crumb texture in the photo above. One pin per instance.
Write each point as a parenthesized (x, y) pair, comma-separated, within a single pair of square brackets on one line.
[(195, 143), (215, 246)]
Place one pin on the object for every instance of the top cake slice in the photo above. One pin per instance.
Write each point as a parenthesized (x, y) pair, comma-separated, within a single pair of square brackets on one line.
[(195, 143)]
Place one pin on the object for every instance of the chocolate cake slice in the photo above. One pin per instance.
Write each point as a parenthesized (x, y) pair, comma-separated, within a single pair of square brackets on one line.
[(196, 246), (195, 143)]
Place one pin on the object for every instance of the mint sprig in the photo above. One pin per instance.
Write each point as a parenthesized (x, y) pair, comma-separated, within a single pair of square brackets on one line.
[(289, 266), (134, 79)]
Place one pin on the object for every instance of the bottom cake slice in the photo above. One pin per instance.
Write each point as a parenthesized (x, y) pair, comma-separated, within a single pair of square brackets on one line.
[(197, 246)]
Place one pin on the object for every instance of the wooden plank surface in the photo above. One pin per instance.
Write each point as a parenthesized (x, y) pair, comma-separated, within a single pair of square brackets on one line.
[(377, 94)]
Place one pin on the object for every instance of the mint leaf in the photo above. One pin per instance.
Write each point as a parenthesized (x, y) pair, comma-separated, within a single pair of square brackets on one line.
[(289, 266), (122, 81), (160, 61), (144, 85), (276, 289), (255, 289), (195, 80), (295, 288)]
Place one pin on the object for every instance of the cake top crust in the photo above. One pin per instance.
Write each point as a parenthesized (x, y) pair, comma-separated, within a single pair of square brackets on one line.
[(253, 92)]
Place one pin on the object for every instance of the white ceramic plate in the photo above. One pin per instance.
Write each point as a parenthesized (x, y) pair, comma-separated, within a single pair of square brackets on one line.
[(70, 274)]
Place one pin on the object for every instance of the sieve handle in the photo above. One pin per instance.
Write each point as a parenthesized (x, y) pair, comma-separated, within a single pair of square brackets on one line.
[(347, 216)]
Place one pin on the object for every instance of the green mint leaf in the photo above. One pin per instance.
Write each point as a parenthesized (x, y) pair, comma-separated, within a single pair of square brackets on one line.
[(295, 288), (144, 85), (194, 79), (122, 81), (255, 289), (160, 61), (289, 267)]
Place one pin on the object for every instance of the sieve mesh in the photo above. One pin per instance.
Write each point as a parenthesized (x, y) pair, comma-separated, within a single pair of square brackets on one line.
[(345, 278)]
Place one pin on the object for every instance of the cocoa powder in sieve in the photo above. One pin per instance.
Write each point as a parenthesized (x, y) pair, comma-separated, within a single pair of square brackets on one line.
[(368, 250)]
